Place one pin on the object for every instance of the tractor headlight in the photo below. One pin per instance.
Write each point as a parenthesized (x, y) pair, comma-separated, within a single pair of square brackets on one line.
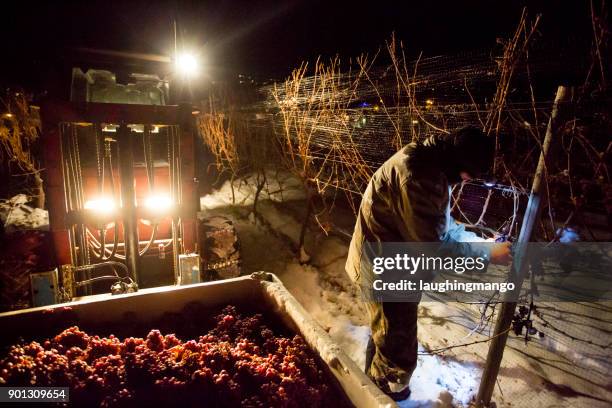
[(100, 205), (158, 203)]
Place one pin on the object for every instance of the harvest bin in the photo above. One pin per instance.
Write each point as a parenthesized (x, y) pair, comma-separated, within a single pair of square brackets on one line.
[(260, 290)]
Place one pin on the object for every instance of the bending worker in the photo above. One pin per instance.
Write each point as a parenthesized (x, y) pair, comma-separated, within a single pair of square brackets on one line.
[(408, 200)]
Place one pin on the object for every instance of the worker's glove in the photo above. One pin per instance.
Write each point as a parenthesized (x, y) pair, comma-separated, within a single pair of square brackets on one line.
[(501, 253)]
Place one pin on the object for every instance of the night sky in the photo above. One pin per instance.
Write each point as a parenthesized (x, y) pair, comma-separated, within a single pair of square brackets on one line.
[(265, 39)]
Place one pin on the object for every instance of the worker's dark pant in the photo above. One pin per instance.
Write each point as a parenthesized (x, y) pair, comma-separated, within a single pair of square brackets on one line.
[(394, 336)]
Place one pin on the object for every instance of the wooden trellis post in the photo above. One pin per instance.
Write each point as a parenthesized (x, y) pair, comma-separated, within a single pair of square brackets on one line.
[(519, 268)]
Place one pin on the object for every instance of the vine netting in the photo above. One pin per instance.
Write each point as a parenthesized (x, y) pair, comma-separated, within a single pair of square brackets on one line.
[(333, 125)]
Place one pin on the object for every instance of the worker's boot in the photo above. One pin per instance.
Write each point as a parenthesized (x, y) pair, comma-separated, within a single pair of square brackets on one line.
[(398, 391)]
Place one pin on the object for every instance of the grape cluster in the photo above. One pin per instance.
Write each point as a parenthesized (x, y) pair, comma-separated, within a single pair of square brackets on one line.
[(239, 362)]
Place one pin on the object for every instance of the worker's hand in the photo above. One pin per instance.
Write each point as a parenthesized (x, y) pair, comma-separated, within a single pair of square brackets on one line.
[(500, 253)]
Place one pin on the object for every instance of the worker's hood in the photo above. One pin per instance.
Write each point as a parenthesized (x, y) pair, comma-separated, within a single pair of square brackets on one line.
[(438, 153)]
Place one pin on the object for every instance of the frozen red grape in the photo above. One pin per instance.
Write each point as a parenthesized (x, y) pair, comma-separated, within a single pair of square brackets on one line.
[(241, 361)]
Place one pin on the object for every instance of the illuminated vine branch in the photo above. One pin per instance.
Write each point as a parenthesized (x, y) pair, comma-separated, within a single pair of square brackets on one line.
[(19, 131)]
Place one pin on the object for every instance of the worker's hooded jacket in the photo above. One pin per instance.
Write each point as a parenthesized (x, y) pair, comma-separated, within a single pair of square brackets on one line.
[(407, 200)]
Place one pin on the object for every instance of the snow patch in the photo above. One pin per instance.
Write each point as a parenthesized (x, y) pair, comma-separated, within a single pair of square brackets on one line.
[(436, 382), (279, 187), (16, 215)]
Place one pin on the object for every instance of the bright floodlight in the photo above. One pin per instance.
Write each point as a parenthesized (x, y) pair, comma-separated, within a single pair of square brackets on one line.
[(100, 205), (158, 203), (187, 65)]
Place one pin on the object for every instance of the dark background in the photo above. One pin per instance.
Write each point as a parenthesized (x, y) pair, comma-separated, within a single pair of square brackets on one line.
[(265, 39)]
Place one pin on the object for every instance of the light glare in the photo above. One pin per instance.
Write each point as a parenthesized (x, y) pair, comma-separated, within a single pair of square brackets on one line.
[(158, 202), (100, 205), (187, 65)]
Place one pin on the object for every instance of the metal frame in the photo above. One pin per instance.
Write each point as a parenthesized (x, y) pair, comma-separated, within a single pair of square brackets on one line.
[(182, 173)]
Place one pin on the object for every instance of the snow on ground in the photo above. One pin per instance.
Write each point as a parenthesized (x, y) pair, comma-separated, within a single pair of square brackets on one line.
[(16, 215), (533, 376)]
